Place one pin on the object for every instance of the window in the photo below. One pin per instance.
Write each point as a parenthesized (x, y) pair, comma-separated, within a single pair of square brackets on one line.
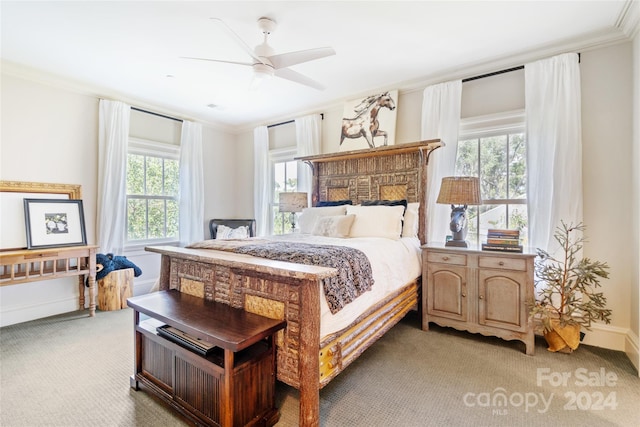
[(494, 149), (284, 178), (152, 192)]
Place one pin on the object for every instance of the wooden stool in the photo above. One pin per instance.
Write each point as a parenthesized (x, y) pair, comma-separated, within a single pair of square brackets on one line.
[(114, 289)]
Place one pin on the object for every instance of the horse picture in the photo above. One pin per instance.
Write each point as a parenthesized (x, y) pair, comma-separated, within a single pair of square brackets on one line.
[(369, 122)]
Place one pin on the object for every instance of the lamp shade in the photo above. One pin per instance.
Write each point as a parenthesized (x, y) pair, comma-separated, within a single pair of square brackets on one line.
[(292, 202), (460, 190)]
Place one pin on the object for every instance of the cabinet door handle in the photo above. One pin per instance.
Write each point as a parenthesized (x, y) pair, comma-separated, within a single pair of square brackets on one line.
[(481, 296), (501, 263), (464, 295), (445, 258)]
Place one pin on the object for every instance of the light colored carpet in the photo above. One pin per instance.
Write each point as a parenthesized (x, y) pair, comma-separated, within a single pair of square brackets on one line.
[(71, 370)]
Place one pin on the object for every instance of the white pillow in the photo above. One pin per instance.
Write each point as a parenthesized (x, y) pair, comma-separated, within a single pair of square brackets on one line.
[(376, 221), (333, 226), (411, 216), (224, 232), (307, 218)]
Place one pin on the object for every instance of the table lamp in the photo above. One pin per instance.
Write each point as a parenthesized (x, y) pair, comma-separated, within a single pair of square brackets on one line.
[(461, 191), (292, 202)]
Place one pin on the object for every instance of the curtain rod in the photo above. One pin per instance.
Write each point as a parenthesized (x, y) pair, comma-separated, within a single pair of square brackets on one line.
[(280, 124), (157, 114), (289, 121), (495, 73)]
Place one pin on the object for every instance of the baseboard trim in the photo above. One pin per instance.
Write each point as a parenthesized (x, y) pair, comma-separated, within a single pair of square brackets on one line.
[(606, 336), (21, 313), (142, 287), (26, 312), (632, 349)]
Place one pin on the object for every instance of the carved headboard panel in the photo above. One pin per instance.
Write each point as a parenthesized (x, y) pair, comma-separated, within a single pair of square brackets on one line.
[(392, 173)]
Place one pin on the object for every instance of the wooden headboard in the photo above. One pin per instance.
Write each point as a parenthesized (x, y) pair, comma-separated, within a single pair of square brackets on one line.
[(386, 173)]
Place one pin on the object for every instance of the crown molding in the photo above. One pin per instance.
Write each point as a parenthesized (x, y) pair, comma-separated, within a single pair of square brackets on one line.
[(629, 19)]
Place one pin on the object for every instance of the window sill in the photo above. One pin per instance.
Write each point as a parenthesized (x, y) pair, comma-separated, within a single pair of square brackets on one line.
[(138, 248)]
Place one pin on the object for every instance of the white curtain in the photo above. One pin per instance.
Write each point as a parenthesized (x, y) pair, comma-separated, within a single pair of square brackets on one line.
[(308, 142), (261, 180), (191, 184), (554, 146), (440, 119), (113, 139)]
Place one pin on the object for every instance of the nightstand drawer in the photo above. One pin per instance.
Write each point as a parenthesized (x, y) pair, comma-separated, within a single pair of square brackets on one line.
[(446, 258), (518, 264)]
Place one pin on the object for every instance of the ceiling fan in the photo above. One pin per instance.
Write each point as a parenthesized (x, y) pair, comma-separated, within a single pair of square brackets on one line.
[(266, 63)]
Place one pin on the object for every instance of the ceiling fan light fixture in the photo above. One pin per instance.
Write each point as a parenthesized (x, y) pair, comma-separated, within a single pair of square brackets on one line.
[(261, 73)]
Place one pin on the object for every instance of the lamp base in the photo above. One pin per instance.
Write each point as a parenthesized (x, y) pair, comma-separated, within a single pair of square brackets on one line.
[(457, 243)]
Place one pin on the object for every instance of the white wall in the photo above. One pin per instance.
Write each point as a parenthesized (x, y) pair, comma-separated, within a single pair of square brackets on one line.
[(607, 166), (244, 175), (47, 135), (632, 347)]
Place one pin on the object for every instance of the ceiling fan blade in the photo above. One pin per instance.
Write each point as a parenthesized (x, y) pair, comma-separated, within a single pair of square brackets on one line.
[(294, 76), (218, 60), (238, 40), (284, 60)]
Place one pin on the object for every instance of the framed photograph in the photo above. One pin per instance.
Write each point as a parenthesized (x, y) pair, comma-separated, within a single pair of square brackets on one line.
[(53, 223)]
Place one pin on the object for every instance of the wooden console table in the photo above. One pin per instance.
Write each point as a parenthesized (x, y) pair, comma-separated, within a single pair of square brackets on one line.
[(23, 266), (232, 384)]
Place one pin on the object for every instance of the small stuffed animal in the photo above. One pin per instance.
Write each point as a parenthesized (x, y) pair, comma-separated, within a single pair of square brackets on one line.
[(104, 266), (121, 262)]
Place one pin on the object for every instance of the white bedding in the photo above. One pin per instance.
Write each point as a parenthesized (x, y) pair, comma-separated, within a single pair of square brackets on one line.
[(394, 263)]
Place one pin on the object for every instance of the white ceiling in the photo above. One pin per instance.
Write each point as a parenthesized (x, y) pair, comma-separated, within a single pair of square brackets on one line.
[(130, 50)]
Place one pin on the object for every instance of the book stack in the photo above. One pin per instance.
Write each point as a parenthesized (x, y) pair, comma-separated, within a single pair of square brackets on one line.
[(502, 240)]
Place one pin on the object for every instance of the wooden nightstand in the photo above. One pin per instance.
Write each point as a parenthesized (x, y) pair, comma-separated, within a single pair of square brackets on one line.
[(478, 291)]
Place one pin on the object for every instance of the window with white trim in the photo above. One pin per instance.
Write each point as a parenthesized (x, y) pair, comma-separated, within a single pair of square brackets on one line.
[(153, 185), (493, 148), (284, 177)]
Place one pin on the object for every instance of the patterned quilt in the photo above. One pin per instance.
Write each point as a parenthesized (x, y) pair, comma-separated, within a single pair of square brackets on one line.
[(354, 269)]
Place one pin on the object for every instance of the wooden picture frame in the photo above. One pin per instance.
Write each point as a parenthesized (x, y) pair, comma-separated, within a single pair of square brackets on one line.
[(72, 191), (12, 193), (54, 223)]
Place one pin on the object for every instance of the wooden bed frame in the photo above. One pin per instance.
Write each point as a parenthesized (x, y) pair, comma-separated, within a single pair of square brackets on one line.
[(282, 290)]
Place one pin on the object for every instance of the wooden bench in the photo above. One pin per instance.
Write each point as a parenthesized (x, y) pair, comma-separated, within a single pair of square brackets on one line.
[(233, 384)]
